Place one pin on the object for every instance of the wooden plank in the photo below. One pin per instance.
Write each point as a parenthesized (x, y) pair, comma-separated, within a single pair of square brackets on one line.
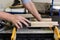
[(25, 15), (32, 18), (45, 19), (43, 24)]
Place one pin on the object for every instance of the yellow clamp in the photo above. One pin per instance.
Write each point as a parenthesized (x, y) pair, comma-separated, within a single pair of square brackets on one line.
[(57, 33), (13, 37)]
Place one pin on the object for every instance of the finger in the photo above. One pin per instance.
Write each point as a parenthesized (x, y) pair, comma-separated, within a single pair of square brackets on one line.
[(17, 26), (24, 19), (24, 22), (20, 24), (29, 23)]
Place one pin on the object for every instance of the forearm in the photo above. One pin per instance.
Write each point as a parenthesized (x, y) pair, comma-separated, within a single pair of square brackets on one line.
[(6, 16), (31, 7)]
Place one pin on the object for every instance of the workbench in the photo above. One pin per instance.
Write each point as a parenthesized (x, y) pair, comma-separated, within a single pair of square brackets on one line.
[(29, 34)]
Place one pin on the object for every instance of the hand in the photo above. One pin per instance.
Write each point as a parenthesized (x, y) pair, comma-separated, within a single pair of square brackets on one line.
[(18, 20)]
